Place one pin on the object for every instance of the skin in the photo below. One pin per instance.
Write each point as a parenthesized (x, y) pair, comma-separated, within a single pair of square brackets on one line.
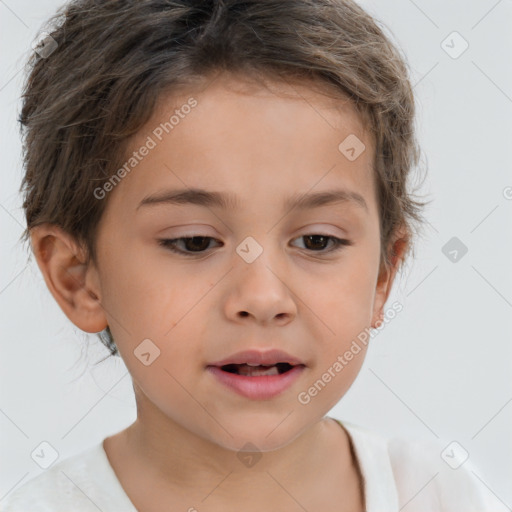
[(311, 303)]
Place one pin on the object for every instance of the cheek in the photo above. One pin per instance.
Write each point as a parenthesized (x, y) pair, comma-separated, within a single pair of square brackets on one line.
[(164, 387), (346, 312), (138, 293), (162, 305), (346, 301)]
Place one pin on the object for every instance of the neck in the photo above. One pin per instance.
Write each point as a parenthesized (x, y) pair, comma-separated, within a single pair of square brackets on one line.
[(177, 455), (156, 452)]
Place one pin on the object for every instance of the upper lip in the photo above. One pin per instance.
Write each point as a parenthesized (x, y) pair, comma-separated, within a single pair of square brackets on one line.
[(258, 357)]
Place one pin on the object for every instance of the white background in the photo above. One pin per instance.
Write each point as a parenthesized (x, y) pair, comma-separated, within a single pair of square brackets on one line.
[(440, 371)]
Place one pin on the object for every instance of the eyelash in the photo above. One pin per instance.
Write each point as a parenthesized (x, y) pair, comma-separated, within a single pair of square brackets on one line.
[(169, 244)]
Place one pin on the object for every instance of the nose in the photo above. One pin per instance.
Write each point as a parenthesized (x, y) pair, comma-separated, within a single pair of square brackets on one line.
[(258, 293)]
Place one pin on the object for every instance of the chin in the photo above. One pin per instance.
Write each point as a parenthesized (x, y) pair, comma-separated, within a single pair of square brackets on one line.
[(256, 435)]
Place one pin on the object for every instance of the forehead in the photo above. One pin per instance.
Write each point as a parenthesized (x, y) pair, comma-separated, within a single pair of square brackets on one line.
[(251, 140), (323, 99)]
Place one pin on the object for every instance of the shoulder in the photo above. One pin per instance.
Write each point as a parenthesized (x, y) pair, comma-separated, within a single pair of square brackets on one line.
[(69, 484), (429, 475)]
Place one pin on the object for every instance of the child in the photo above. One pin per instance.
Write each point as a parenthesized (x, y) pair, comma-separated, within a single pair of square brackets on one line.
[(280, 134)]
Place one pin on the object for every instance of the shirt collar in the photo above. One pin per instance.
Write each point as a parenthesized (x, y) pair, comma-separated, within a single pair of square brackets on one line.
[(379, 484)]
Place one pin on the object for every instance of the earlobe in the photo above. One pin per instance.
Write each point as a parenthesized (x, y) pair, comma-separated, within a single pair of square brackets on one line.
[(62, 263)]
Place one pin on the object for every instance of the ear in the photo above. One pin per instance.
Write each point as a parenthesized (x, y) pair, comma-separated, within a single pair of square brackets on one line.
[(73, 284), (387, 274)]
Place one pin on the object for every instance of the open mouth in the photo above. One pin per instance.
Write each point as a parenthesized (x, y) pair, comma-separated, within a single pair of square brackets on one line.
[(256, 371), (257, 381)]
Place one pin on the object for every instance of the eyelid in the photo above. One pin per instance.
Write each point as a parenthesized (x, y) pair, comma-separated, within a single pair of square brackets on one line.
[(337, 244)]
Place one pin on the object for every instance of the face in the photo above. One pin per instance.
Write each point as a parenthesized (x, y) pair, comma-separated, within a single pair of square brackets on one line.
[(252, 273)]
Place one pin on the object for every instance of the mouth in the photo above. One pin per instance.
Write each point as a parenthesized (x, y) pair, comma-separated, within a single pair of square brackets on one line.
[(248, 370), (261, 360), (257, 382), (258, 375)]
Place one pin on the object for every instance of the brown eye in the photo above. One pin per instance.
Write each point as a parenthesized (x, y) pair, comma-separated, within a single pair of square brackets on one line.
[(200, 244), (194, 244), (318, 243)]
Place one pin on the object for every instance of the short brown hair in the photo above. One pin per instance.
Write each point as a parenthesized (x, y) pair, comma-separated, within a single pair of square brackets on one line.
[(113, 59)]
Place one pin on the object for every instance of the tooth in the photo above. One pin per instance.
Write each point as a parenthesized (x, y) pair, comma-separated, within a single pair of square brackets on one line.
[(250, 371)]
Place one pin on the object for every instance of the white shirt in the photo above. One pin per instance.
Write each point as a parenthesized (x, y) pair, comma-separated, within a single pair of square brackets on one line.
[(398, 474)]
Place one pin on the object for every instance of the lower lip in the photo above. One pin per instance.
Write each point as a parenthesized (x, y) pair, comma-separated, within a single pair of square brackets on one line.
[(262, 387)]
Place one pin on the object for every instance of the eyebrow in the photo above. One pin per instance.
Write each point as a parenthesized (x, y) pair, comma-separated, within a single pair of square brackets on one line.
[(229, 201)]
